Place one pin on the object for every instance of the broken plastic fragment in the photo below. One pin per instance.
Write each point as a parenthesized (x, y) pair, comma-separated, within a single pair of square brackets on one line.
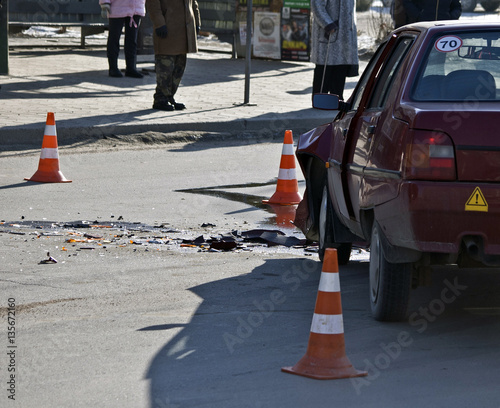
[(223, 245), (92, 236), (49, 260)]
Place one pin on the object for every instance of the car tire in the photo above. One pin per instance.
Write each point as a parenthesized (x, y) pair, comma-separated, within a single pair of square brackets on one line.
[(490, 5), (390, 283), (325, 229), (468, 6)]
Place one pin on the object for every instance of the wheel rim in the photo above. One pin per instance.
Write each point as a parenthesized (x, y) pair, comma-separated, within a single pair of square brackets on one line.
[(374, 266), (322, 218)]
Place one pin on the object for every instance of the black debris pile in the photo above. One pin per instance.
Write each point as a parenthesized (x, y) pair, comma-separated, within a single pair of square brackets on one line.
[(244, 240)]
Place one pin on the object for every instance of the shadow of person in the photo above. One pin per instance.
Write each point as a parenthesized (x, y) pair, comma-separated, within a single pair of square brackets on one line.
[(239, 331)]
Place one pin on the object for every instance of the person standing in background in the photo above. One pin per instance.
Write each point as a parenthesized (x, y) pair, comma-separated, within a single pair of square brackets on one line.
[(334, 33), (398, 13), (176, 24), (121, 13), (432, 10)]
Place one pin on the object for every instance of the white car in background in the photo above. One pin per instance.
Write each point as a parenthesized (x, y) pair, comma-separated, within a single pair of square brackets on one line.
[(468, 6)]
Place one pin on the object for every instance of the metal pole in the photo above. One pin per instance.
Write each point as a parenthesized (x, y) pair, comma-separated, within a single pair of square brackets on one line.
[(4, 37), (248, 57)]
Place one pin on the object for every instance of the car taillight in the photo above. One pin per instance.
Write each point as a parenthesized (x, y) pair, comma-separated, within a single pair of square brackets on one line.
[(429, 156)]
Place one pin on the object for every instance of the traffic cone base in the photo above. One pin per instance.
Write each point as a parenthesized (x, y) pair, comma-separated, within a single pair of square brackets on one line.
[(325, 358), (324, 373), (287, 188), (48, 177), (335, 367), (48, 166)]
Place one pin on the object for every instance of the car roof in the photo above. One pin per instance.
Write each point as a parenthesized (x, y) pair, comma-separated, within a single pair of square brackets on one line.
[(447, 25)]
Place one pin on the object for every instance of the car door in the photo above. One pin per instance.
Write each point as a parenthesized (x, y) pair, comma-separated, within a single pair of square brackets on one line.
[(371, 121), (336, 175), (342, 131)]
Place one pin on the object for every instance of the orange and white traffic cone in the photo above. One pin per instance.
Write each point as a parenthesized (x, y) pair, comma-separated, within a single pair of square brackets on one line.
[(325, 358), (48, 166), (287, 189)]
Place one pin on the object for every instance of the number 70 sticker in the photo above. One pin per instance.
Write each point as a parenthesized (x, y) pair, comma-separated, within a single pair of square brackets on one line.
[(448, 43)]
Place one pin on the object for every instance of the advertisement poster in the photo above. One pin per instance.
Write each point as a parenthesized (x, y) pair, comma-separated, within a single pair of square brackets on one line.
[(243, 33), (266, 35), (295, 35)]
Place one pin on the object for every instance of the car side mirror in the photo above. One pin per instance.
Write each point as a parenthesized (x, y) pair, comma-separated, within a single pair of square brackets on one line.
[(326, 101), (329, 102)]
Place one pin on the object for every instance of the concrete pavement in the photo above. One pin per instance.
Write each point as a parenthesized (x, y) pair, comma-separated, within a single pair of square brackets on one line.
[(74, 84)]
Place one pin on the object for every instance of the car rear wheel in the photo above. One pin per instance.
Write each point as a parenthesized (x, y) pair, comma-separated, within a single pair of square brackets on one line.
[(326, 239), (389, 283)]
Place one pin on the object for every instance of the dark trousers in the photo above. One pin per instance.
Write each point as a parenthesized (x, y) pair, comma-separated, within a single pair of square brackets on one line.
[(169, 72), (115, 32), (334, 82)]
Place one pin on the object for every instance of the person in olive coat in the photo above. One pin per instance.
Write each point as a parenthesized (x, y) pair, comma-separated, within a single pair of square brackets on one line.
[(176, 23)]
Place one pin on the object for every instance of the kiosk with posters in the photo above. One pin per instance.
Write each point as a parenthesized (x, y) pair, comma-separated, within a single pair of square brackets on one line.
[(295, 30)]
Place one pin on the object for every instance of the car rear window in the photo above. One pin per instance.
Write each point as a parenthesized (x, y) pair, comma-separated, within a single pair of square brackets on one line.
[(460, 67)]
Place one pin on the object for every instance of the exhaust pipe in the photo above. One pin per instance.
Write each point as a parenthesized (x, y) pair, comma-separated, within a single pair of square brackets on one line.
[(472, 247)]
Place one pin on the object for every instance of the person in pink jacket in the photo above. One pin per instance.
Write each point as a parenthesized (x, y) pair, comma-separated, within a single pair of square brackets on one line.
[(121, 13)]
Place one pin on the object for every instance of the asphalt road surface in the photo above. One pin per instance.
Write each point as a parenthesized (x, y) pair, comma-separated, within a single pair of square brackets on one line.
[(131, 317)]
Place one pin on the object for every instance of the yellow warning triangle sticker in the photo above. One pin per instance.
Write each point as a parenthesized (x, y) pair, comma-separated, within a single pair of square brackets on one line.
[(476, 201)]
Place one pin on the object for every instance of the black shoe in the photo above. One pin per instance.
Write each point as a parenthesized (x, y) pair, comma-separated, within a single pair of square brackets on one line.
[(115, 73), (133, 74), (164, 106), (177, 105)]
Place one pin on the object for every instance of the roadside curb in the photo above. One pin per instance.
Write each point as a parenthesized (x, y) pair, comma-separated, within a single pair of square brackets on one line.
[(247, 129)]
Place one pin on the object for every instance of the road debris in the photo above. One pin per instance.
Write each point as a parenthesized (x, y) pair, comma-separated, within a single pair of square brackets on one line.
[(71, 237), (49, 260)]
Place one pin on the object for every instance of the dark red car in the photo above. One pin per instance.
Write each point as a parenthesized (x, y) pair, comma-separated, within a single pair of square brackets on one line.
[(411, 162)]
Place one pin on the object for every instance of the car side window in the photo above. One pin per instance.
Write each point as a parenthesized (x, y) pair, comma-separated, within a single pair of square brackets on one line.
[(389, 71), (360, 89)]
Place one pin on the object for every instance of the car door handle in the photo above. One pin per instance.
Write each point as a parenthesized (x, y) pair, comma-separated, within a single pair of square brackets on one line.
[(344, 132), (371, 129)]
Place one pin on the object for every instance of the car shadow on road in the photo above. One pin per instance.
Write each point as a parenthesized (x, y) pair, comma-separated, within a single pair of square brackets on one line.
[(456, 297), (249, 326)]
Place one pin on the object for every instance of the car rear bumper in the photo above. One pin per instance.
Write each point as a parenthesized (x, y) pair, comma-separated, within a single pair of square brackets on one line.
[(432, 217)]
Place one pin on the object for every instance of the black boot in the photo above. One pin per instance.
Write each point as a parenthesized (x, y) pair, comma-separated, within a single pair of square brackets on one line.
[(133, 73), (164, 106), (115, 72), (131, 31), (177, 105), (113, 46)]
